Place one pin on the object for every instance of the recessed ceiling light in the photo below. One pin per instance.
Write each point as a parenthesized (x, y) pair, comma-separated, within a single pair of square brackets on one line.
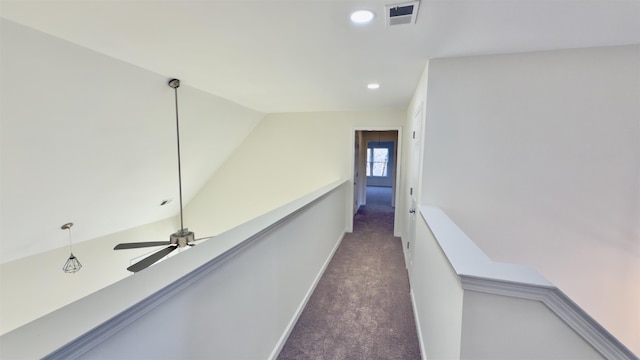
[(373, 86), (362, 16)]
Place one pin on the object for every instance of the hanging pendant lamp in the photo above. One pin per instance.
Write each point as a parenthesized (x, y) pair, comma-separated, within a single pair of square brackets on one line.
[(73, 264)]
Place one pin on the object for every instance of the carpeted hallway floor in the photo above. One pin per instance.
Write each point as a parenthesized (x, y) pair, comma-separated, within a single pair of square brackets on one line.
[(361, 308)]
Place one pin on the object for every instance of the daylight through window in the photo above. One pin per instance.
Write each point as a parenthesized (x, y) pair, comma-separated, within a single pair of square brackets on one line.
[(377, 161)]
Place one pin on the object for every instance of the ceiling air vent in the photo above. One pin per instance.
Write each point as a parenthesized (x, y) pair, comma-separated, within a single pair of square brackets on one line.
[(402, 13)]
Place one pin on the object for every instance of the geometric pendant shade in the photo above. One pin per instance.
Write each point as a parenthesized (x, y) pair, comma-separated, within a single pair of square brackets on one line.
[(72, 264)]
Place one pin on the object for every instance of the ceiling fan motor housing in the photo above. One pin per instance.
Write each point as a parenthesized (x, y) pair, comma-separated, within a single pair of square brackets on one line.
[(182, 237)]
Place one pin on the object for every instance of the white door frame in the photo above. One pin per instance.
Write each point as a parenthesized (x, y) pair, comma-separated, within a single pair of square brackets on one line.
[(397, 216)]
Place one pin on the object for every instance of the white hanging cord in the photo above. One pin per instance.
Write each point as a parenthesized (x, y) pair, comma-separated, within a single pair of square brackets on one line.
[(68, 226)]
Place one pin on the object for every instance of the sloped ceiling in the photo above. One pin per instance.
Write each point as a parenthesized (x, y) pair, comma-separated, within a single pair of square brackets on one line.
[(92, 140), (286, 56), (99, 149)]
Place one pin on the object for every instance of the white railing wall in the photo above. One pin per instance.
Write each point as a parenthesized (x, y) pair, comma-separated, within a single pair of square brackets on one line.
[(469, 307), (237, 297)]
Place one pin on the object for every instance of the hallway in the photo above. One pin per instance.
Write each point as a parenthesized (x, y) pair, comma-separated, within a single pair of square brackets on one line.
[(361, 308)]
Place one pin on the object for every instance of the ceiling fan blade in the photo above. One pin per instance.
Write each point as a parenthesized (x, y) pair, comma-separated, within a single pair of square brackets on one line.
[(151, 259), (140, 245)]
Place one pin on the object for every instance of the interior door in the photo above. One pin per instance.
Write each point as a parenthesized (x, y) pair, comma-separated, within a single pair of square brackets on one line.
[(414, 176)]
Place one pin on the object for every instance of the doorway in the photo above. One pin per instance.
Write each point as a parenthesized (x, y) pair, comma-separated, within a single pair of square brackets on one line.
[(375, 166)]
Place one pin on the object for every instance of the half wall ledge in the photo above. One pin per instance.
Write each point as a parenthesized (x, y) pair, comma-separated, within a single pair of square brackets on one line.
[(477, 272)]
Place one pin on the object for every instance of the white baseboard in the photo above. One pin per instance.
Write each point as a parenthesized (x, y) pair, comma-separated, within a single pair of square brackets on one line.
[(296, 316), (418, 328)]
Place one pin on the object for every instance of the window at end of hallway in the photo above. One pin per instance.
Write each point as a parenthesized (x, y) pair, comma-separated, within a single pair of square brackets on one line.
[(377, 160)]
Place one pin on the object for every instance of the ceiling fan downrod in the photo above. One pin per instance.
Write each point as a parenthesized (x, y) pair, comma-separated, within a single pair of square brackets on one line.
[(180, 238), (183, 236), (175, 84)]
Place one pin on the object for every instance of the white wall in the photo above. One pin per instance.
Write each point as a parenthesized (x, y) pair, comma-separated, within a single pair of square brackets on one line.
[(36, 285), (468, 307), (536, 157), (242, 308), (89, 139), (502, 327), (286, 156), (438, 297)]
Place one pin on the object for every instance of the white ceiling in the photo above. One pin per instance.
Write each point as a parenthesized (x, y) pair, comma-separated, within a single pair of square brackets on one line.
[(267, 55), (290, 56)]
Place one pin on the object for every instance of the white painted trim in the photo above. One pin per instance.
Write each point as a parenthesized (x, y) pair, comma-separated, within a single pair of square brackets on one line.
[(416, 317), (479, 273), (602, 340), (398, 216), (467, 258), (561, 305), (303, 304), (397, 219)]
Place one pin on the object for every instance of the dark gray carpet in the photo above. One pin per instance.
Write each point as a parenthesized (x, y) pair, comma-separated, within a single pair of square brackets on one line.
[(361, 308), (378, 195)]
